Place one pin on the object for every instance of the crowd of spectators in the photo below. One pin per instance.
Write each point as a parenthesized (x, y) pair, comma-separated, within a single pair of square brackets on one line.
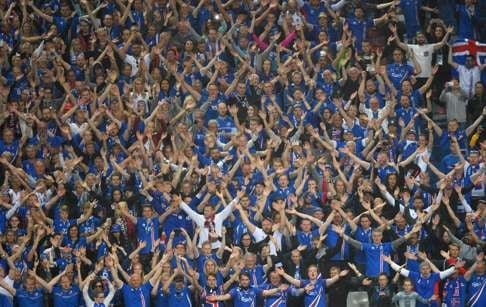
[(242, 153)]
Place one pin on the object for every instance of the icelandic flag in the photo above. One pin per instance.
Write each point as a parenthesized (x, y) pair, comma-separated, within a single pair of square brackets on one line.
[(463, 47)]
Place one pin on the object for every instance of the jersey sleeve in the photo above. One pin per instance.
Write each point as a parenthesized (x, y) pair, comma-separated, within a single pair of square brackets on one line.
[(414, 276), (233, 293), (148, 286), (304, 283)]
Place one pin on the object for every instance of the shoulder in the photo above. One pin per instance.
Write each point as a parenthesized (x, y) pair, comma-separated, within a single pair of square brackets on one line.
[(147, 285), (233, 292)]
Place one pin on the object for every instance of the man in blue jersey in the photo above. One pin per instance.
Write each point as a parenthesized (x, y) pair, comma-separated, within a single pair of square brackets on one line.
[(424, 281), (65, 293), (398, 71), (147, 227), (315, 294), (209, 290), (245, 295), (476, 276), (278, 299), (178, 293), (376, 251), (136, 292), (28, 295)]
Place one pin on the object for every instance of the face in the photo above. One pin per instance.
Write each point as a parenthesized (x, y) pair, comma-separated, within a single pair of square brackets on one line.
[(246, 240), (425, 269), (407, 286), (30, 284), (312, 272), (73, 232), (365, 222), (397, 56), (244, 281), (382, 281), (250, 260), (135, 280), (479, 89), (377, 237), (211, 281), (208, 211), (267, 226), (306, 225), (295, 256), (65, 282), (439, 32), (283, 181), (275, 279), (421, 39), (147, 212), (453, 251), (210, 267)]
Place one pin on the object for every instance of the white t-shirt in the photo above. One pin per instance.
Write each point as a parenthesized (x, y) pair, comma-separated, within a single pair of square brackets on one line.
[(9, 281), (468, 78), (423, 55)]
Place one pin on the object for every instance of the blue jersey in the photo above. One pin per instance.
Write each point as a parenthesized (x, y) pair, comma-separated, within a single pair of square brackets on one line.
[(384, 171), (466, 22), (179, 298), (61, 226), (148, 231), (207, 291), (137, 296), (305, 238), (332, 239), (412, 264), (257, 274), (359, 29), (424, 286), (375, 264), (279, 299), (475, 284), (161, 299), (397, 73), (6, 301), (30, 299), (478, 298), (410, 9), (66, 298), (363, 236), (454, 294), (245, 297), (315, 297)]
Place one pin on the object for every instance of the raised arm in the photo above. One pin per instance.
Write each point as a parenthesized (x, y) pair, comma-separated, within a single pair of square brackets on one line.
[(39, 13), (196, 217), (476, 123), (297, 283), (305, 216), (396, 267), (244, 217), (450, 61), (354, 243), (479, 259)]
